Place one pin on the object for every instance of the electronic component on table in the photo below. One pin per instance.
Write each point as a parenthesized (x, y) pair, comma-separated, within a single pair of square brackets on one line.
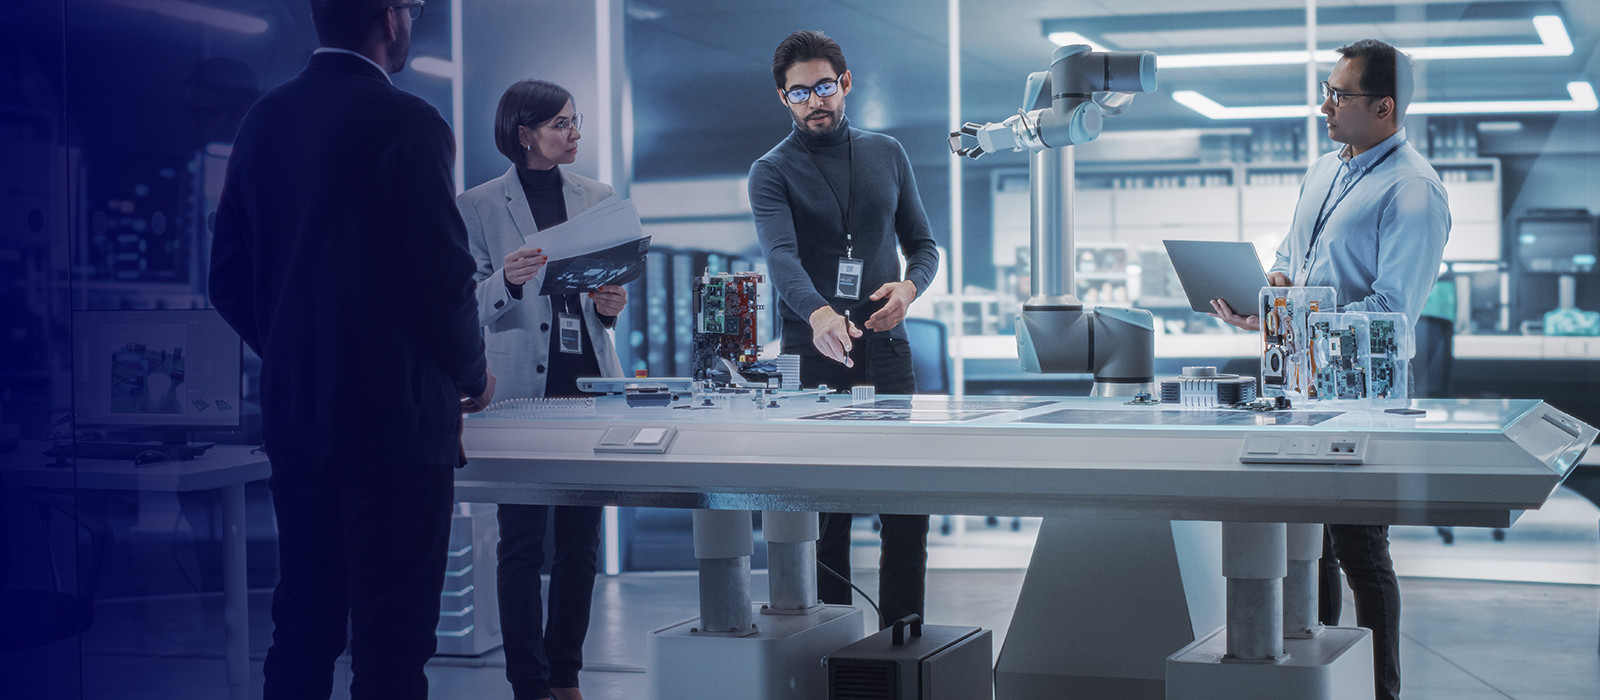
[(1389, 381), (1340, 359), (1285, 354), (725, 306), (1204, 387), (1359, 356)]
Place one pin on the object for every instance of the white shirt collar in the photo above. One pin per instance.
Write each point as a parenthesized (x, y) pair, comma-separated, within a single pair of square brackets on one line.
[(330, 49)]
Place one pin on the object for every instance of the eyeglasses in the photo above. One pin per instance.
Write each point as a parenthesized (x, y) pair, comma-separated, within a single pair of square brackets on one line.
[(414, 8), (824, 89), (1335, 94), (567, 126)]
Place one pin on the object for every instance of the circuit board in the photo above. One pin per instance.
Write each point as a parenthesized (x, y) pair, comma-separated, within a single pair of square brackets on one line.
[(1385, 354), (1336, 362), (725, 306)]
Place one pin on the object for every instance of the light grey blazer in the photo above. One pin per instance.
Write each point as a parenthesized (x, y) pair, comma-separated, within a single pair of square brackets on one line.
[(517, 331)]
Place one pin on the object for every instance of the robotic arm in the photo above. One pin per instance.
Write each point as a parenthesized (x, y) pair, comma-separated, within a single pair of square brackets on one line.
[(1066, 105), (1062, 108)]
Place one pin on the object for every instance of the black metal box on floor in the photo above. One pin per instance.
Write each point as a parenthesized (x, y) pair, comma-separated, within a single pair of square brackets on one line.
[(933, 662)]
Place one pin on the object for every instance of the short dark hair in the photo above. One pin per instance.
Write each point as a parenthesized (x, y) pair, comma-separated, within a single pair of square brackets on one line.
[(1385, 72), (344, 24), (805, 45), (525, 103)]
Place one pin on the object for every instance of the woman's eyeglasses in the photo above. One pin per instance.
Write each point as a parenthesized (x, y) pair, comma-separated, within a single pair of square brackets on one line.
[(566, 126)]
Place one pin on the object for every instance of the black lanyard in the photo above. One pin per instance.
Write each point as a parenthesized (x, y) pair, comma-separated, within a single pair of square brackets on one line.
[(1322, 218), (848, 205)]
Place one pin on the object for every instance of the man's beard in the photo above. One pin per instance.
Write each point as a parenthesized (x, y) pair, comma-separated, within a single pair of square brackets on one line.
[(832, 126), (397, 53)]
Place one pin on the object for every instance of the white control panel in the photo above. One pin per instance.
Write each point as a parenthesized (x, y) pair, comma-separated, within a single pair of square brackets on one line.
[(647, 440), (1305, 448)]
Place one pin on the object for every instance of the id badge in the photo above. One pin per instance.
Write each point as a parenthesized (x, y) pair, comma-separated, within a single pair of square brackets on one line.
[(849, 284), (571, 328)]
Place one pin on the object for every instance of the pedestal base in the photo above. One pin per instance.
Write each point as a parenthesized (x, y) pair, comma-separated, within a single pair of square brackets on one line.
[(782, 661), (1335, 665)]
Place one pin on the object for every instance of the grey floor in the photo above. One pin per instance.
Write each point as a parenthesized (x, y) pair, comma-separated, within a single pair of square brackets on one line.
[(1481, 619)]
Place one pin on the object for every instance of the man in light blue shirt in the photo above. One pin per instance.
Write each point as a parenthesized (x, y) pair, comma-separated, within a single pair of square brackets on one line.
[(1371, 223)]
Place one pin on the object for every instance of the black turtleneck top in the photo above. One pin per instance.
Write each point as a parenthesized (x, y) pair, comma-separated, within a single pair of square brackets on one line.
[(800, 191), (543, 189)]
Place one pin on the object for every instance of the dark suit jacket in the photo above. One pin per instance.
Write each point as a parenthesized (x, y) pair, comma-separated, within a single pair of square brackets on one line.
[(341, 259)]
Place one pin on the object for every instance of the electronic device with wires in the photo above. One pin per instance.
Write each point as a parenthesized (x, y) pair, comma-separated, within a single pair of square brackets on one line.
[(725, 344), (1361, 357), (1285, 354)]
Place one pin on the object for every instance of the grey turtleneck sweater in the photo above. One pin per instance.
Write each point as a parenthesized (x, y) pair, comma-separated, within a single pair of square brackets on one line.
[(799, 219)]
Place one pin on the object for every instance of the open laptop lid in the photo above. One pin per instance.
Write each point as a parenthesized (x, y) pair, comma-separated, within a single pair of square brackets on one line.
[(1227, 270)]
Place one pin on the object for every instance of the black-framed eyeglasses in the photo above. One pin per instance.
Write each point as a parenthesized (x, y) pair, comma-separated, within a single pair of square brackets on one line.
[(1330, 92), (567, 125), (414, 8), (799, 95)]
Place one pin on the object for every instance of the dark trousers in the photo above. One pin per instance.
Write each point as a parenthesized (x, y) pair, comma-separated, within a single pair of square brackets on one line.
[(361, 545), (543, 654), (885, 363), (1362, 552)]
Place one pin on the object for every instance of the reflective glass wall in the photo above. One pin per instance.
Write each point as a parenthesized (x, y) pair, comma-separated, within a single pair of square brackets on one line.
[(116, 118)]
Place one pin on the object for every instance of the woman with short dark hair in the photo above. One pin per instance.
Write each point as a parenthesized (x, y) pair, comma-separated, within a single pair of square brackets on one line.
[(537, 128)]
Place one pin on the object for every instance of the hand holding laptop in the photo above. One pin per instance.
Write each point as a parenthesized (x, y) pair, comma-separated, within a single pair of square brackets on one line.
[(1222, 278), (1220, 308)]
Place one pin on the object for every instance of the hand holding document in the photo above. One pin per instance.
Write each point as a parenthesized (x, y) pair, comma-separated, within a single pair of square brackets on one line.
[(604, 244)]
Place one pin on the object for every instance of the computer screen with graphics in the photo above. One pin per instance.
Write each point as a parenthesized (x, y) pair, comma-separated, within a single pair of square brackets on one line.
[(1557, 245), (170, 369)]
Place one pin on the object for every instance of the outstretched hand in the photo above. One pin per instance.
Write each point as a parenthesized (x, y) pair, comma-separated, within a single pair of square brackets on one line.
[(900, 295)]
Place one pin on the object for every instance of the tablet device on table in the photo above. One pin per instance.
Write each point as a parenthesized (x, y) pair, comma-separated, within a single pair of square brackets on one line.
[(1226, 270)]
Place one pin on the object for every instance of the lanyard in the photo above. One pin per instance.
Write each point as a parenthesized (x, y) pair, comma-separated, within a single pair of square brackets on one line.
[(1322, 218), (847, 207)]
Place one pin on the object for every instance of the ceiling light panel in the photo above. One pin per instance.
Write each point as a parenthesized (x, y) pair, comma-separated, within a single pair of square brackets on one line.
[(1581, 98), (1473, 30)]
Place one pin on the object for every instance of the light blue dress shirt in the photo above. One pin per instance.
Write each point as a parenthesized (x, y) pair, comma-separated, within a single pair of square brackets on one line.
[(1384, 237)]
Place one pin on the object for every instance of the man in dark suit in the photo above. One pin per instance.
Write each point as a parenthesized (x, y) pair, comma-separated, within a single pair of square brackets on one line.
[(341, 259)]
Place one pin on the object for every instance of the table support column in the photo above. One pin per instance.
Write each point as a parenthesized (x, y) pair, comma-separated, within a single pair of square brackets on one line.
[(1304, 544), (1253, 560), (791, 561), (723, 544)]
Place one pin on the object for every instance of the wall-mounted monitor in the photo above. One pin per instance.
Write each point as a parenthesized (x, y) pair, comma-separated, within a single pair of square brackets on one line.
[(166, 369), (1563, 245)]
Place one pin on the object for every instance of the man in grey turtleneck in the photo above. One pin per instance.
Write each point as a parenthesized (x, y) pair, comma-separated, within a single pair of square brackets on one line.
[(830, 203)]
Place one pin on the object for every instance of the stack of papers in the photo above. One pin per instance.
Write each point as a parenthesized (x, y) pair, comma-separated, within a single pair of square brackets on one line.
[(604, 244)]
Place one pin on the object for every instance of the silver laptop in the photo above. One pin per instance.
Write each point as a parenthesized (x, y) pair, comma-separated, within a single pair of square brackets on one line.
[(1226, 270)]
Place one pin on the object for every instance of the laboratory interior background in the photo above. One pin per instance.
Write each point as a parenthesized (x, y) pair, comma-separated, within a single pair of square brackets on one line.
[(116, 123)]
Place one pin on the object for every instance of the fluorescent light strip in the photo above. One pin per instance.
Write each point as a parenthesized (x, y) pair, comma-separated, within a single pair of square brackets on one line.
[(193, 12), (1553, 41), (436, 67), (1582, 93)]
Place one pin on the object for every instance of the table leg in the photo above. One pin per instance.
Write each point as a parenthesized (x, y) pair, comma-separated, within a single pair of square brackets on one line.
[(1254, 562), (235, 592), (723, 544)]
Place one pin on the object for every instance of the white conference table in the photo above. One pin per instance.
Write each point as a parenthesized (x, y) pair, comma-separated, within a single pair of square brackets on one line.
[(224, 468), (1466, 462)]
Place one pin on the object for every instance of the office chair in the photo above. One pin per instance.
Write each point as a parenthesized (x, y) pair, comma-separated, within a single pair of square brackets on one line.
[(34, 618), (930, 355), (930, 359)]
